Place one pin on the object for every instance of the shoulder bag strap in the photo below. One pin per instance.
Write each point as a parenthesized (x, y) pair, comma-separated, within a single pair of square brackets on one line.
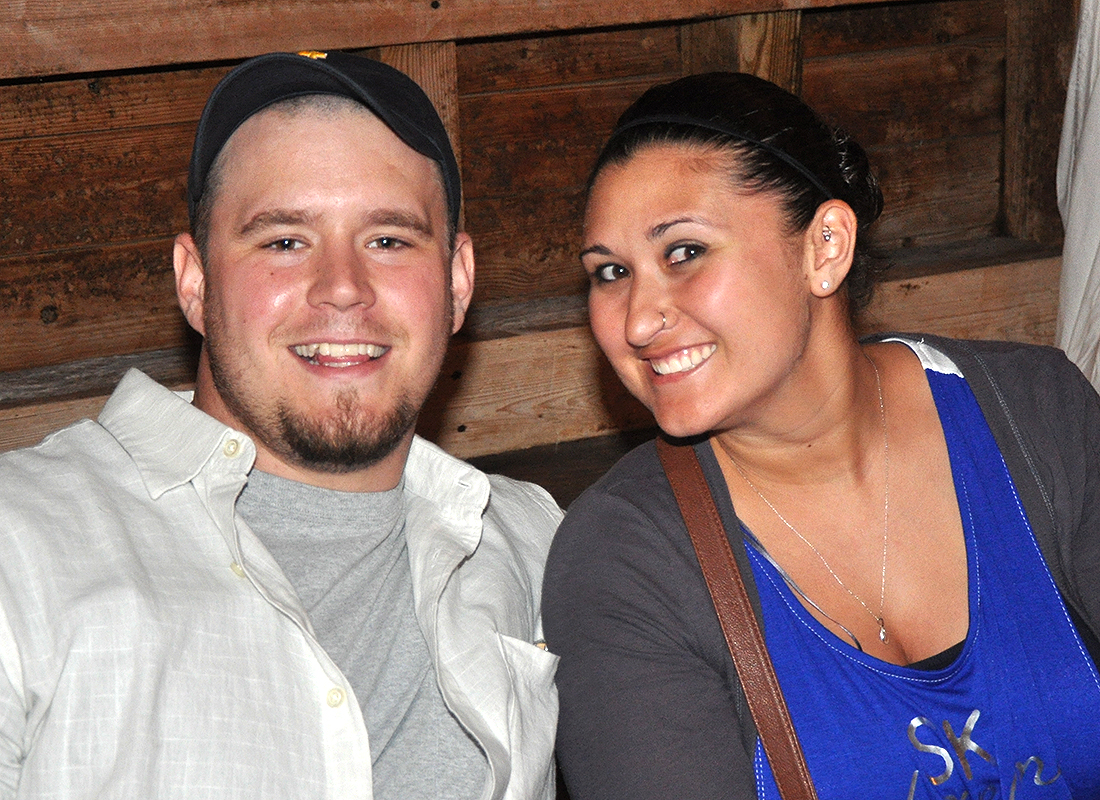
[(735, 613)]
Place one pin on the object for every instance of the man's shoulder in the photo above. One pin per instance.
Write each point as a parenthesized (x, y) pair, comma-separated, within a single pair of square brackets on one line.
[(517, 519), (82, 448), (511, 497), (143, 428), (503, 494)]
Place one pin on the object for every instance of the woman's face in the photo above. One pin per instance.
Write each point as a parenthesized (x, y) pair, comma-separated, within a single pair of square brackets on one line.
[(699, 295)]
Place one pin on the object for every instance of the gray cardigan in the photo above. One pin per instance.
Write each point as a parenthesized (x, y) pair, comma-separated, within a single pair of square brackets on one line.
[(646, 682)]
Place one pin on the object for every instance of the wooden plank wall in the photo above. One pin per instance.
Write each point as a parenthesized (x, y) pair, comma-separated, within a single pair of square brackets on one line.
[(47, 38), (93, 165)]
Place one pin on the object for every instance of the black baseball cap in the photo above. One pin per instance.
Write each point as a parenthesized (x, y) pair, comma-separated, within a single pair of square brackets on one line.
[(262, 81)]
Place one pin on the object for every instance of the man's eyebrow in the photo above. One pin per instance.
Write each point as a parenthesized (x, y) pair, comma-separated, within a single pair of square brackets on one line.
[(385, 217), (397, 218), (276, 218)]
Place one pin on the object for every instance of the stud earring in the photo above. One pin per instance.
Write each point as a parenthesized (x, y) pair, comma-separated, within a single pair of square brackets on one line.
[(827, 234), (825, 284)]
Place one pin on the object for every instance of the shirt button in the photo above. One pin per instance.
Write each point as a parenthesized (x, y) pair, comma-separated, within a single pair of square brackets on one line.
[(335, 697), (232, 448), (238, 570)]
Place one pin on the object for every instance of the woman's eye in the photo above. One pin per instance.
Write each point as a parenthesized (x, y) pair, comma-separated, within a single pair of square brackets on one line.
[(685, 252), (607, 273)]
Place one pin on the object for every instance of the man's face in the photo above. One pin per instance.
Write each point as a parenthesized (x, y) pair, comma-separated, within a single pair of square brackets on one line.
[(326, 298)]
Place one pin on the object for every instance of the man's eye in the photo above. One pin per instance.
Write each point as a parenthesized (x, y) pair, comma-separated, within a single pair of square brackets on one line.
[(387, 243), (284, 245), (607, 273), (685, 252)]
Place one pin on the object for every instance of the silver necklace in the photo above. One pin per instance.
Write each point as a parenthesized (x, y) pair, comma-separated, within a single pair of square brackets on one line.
[(879, 617)]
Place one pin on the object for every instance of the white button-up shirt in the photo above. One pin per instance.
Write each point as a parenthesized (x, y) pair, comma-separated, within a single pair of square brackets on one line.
[(151, 647)]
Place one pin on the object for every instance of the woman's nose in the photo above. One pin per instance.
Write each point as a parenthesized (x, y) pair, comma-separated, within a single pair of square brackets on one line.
[(645, 317)]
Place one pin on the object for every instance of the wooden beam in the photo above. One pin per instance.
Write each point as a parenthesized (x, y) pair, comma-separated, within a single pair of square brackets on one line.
[(542, 388), (1038, 57), (76, 36), (26, 425), (709, 46), (766, 45), (1014, 302)]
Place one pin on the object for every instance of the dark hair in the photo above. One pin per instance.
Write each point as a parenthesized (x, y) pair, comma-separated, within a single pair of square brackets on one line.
[(779, 143)]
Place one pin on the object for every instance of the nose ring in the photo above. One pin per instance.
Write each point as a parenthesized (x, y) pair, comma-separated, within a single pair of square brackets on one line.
[(664, 321)]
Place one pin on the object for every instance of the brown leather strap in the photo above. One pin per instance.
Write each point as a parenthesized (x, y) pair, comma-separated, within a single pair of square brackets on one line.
[(735, 613)]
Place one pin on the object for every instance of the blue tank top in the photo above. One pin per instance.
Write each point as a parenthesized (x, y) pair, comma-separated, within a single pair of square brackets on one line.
[(1016, 716)]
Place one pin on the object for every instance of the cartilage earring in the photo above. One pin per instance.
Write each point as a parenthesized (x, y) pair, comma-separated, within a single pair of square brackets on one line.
[(825, 284), (827, 234)]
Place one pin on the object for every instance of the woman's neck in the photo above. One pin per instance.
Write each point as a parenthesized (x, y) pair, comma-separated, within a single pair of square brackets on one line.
[(825, 423)]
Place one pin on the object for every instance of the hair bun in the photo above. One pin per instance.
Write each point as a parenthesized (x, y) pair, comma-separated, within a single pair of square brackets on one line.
[(863, 193)]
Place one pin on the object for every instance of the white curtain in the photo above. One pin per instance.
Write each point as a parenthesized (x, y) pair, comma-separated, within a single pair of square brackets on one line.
[(1078, 330)]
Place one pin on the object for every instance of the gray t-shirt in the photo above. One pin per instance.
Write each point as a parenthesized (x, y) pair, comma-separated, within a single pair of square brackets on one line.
[(345, 554)]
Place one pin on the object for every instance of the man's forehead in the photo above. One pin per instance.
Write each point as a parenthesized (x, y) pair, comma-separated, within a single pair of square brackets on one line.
[(320, 108), (268, 129), (299, 163)]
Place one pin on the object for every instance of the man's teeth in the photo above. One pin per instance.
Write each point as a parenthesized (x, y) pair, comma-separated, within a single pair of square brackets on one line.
[(686, 359), (335, 350)]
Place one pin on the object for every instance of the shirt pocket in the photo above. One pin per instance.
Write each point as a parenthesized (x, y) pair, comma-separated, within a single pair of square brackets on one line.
[(532, 717), (527, 661)]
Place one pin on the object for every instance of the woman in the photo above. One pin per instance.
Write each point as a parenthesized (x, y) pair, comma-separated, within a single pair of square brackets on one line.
[(917, 519)]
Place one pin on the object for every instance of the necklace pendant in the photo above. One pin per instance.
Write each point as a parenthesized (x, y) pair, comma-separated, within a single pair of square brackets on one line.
[(882, 637)]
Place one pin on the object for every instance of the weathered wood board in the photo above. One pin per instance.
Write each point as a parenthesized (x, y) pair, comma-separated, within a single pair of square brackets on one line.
[(553, 386), (957, 101)]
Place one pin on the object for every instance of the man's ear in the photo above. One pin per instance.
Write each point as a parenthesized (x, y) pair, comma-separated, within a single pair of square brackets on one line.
[(830, 246), (190, 280), (462, 278)]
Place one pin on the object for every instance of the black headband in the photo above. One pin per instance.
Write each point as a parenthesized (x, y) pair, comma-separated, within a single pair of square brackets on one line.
[(696, 122)]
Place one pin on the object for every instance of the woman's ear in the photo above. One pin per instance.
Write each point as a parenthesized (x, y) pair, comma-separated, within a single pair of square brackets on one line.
[(830, 246)]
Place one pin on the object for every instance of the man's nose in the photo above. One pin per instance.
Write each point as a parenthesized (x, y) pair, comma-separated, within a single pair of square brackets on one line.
[(341, 278)]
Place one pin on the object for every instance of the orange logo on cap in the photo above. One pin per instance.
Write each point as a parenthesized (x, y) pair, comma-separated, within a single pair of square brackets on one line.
[(313, 54)]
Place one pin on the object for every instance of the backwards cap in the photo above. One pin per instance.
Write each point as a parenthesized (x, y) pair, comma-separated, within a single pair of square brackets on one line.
[(262, 81)]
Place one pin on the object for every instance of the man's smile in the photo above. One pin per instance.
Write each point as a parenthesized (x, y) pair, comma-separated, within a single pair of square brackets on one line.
[(336, 354)]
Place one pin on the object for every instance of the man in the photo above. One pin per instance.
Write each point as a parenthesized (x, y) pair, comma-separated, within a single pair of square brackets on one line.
[(278, 590)]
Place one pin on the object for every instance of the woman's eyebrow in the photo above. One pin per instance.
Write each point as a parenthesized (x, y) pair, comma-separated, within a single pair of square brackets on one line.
[(662, 228), (596, 249)]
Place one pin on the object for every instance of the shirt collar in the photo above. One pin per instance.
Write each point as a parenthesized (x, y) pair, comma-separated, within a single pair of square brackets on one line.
[(171, 442), (169, 439), (456, 492)]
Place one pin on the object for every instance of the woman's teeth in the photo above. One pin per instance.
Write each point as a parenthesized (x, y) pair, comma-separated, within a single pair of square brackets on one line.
[(686, 359)]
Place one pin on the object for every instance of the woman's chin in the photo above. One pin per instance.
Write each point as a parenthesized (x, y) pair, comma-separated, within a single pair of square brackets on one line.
[(680, 428)]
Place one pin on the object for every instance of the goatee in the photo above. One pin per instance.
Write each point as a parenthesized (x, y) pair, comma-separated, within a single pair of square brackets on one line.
[(345, 441)]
